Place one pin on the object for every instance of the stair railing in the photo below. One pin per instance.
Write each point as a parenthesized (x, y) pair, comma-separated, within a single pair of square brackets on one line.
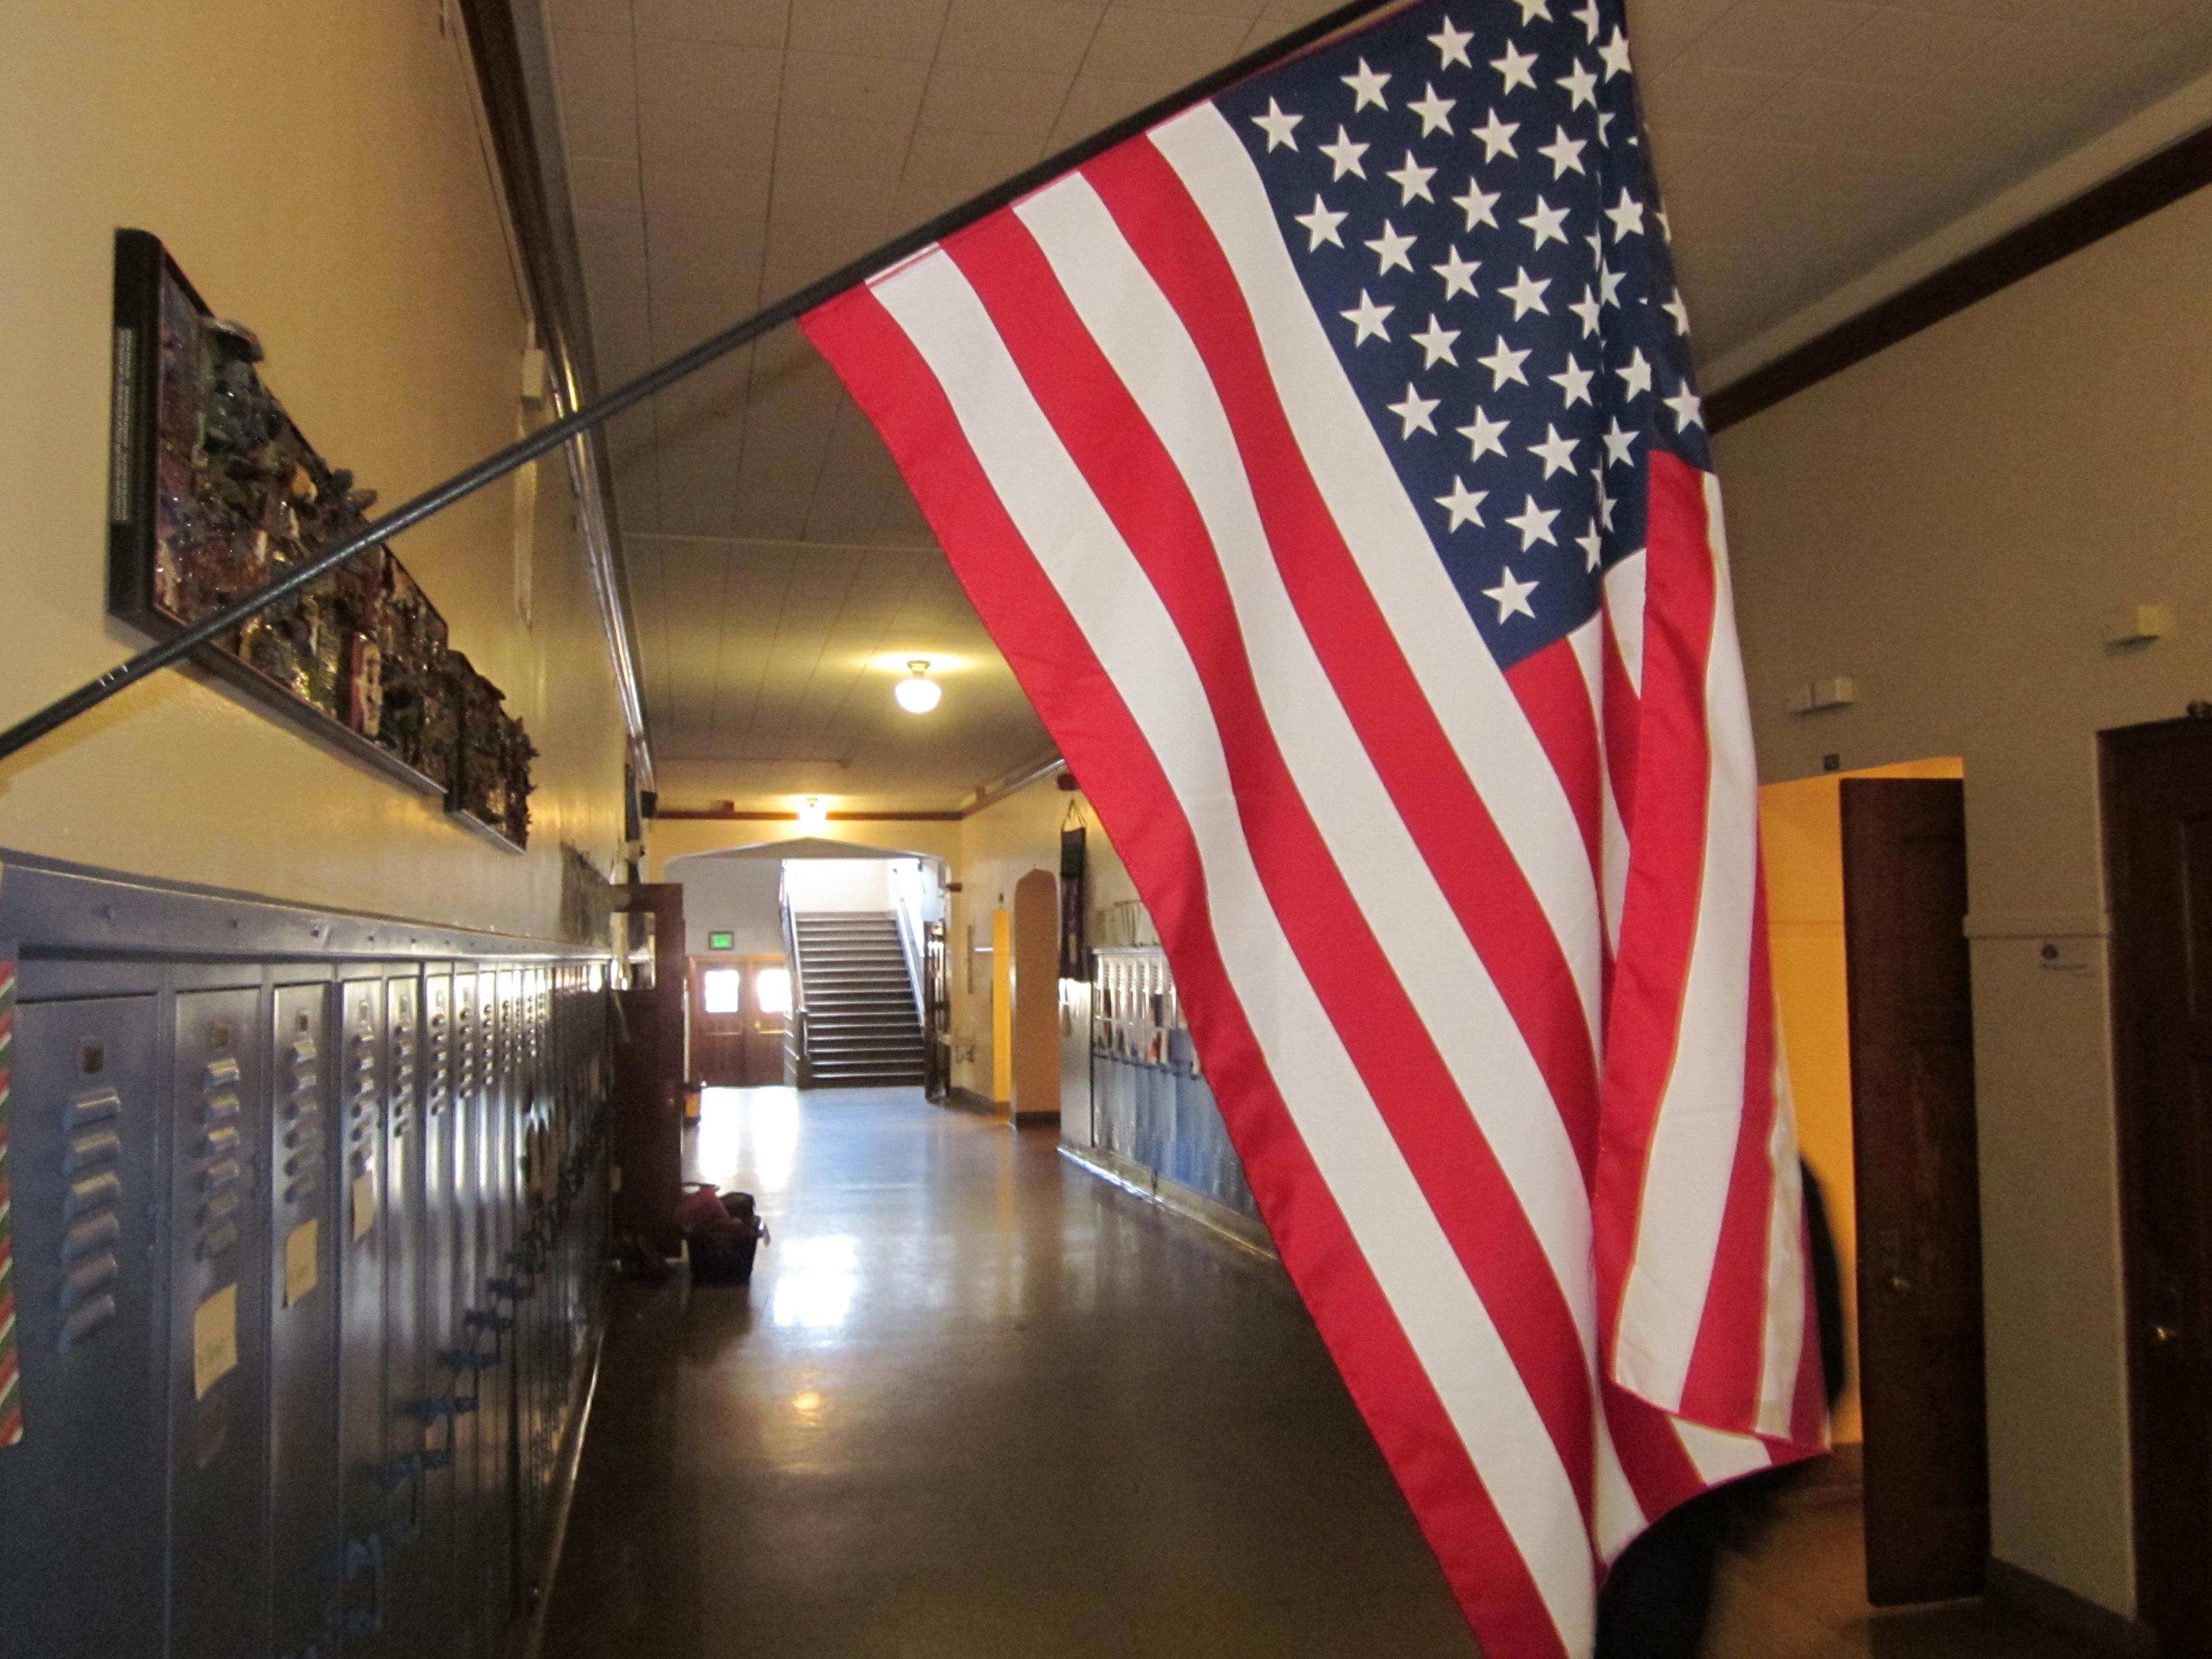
[(796, 1070)]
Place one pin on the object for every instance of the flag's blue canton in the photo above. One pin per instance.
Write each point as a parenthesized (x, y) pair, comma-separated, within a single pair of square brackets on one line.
[(1468, 198)]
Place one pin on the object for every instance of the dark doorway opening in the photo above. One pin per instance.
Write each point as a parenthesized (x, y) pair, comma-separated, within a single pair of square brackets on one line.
[(2157, 788)]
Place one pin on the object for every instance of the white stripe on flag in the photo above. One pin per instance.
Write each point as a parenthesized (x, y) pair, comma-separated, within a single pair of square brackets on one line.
[(1694, 1133), (1624, 604), (1383, 530), (1076, 545), (1450, 988)]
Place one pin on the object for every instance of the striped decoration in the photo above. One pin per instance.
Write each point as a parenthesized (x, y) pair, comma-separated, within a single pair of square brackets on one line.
[(11, 1380)]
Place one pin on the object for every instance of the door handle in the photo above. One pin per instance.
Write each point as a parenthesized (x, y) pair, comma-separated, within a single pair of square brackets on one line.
[(2164, 1336), (1896, 1285)]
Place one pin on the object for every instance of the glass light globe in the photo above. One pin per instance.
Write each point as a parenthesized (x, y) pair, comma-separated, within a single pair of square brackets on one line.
[(813, 815), (918, 694)]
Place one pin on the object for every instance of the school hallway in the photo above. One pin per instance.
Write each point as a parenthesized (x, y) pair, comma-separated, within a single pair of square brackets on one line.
[(978, 1401)]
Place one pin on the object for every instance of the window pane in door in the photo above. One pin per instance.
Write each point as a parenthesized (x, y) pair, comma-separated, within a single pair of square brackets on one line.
[(718, 990), (772, 992)]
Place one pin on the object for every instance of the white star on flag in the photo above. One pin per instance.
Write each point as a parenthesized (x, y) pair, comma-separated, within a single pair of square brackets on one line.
[(1434, 111), (1321, 225), (1496, 138), (1344, 154), (1620, 445), (1458, 275), (1527, 294), (1278, 126), (1483, 435), (1503, 363), (1564, 153), (1513, 68), (1450, 43), (1436, 344), (1636, 374), (1627, 216), (1367, 88), (1546, 223), (1574, 383), (1512, 596), (1390, 250), (1464, 504), (1557, 452), (1689, 408), (1535, 523), (1615, 54), (1413, 179), (1580, 84), (1414, 411), (1367, 318), (1479, 205)]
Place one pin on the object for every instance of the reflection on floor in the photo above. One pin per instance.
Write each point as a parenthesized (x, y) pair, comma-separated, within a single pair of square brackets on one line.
[(977, 1402)]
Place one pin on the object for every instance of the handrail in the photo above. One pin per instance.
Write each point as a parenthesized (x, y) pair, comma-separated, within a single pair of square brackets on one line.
[(794, 1024)]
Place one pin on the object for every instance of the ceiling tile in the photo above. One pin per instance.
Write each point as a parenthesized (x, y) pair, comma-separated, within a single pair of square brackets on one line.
[(944, 168), (834, 147), (1659, 30), (703, 254), (1093, 104), (1133, 45), (740, 22), (1898, 47), (605, 16), (710, 74), (884, 92), (1695, 96), (594, 69), (724, 137), (876, 28), (604, 184), (994, 100), (1776, 37), (705, 190), (1045, 36)]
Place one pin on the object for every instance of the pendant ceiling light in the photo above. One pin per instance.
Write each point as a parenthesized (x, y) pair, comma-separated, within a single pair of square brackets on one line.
[(813, 815), (919, 693)]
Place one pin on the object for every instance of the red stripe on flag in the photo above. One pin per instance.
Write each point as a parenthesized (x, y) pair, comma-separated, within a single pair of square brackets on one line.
[(1721, 1387), (1141, 815), (1136, 480), (1556, 698), (1659, 917), (1442, 807), (1652, 1454)]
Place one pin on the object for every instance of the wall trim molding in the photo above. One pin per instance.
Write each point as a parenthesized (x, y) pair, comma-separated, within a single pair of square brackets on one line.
[(2177, 169), (2028, 1598)]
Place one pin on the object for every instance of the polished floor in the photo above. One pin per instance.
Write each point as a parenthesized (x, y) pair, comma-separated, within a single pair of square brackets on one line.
[(977, 1403)]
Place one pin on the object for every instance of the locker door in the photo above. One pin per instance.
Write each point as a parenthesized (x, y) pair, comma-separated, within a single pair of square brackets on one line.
[(218, 1328), (362, 1273), (505, 1237), (406, 1377), (465, 1346), (306, 1223), (440, 1406), (79, 1576), (495, 1410)]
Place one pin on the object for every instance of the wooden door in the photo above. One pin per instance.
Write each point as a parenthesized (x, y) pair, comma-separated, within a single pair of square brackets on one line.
[(738, 1008), (718, 1022), (2158, 853), (937, 1013), (1919, 1218)]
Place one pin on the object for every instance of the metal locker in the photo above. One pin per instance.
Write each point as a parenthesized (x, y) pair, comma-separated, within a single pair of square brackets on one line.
[(81, 1496), (444, 1402), (495, 1406), (307, 1225), (505, 1238), (218, 1327), (407, 1450), (468, 1347), (364, 1559)]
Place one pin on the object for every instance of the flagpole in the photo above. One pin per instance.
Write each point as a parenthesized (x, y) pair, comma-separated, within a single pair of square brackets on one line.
[(435, 500)]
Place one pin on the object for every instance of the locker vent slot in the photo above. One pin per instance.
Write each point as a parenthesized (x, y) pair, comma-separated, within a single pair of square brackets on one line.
[(90, 1147), (96, 1106), (218, 1238), (96, 1234), (87, 1278), (83, 1322), (92, 1192)]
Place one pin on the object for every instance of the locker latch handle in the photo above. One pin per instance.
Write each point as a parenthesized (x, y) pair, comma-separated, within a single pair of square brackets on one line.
[(479, 1319), (467, 1359), (517, 1289), (367, 1552), (428, 1410)]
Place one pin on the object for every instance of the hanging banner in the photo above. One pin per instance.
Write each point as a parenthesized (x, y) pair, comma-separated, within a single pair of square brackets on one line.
[(1074, 963), (11, 1381)]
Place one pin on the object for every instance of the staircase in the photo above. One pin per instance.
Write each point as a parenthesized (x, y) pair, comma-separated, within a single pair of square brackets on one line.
[(862, 1028)]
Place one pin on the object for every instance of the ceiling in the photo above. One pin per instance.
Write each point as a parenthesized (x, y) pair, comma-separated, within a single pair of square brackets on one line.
[(724, 152)]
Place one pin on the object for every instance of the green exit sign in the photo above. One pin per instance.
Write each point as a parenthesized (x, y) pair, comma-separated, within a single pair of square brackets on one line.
[(721, 941)]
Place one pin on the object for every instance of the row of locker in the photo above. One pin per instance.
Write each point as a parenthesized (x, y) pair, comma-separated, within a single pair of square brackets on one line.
[(1150, 1105), (305, 1256)]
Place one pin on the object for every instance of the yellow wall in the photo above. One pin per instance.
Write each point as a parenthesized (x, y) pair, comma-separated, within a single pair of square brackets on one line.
[(672, 838), (1800, 836), (998, 847), (317, 171), (1946, 522)]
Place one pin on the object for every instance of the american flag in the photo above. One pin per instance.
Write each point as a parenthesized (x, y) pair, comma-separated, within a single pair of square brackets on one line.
[(1327, 463)]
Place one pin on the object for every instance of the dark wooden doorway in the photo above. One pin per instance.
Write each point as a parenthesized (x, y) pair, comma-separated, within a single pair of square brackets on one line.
[(1919, 1212), (937, 1013), (2158, 867), (739, 1007)]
